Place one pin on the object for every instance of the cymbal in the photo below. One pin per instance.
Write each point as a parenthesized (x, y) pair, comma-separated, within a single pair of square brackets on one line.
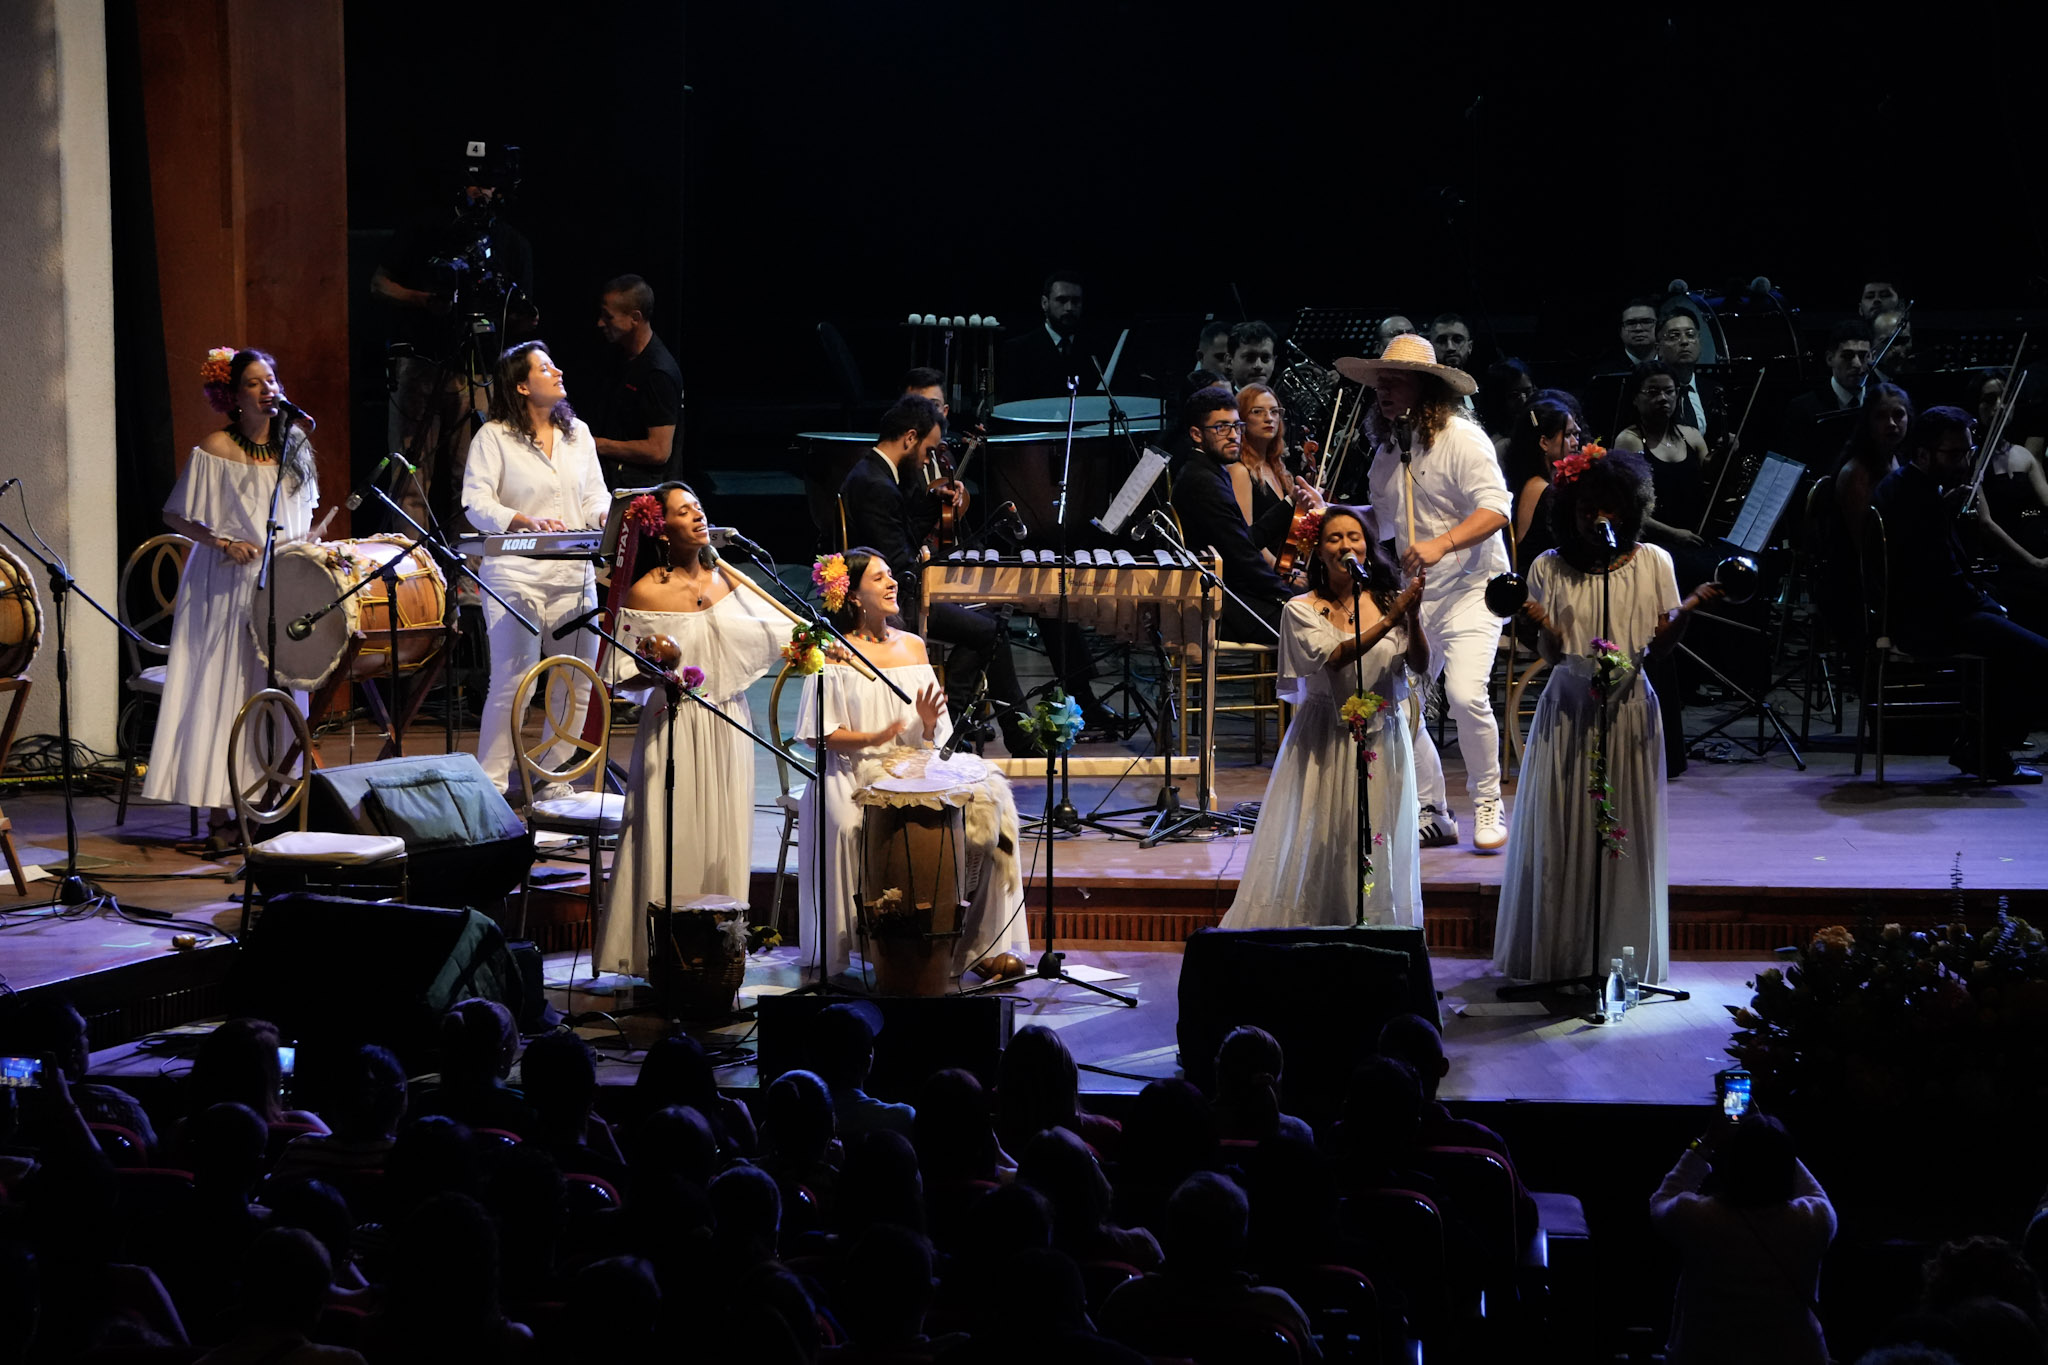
[(1088, 409)]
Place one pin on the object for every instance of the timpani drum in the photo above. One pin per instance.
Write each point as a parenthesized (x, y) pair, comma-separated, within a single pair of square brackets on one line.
[(21, 616), (914, 883), (310, 574)]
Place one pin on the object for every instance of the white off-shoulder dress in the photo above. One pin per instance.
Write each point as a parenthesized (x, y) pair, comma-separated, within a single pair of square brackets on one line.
[(213, 668), (736, 640)]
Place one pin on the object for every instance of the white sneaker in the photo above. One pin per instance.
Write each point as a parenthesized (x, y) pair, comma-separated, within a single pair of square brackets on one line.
[(1489, 826), (1437, 828)]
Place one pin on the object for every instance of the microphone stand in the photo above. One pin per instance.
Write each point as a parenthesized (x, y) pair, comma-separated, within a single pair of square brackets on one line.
[(1364, 823), (1595, 980), (822, 806), (1201, 820), (282, 426), (71, 889)]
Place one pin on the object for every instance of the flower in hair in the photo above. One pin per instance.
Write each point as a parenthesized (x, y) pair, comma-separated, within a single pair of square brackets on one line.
[(215, 374), (1571, 466), (829, 574), (1307, 530), (645, 512)]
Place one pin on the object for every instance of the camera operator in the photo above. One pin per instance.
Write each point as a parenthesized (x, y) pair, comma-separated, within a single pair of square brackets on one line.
[(459, 283)]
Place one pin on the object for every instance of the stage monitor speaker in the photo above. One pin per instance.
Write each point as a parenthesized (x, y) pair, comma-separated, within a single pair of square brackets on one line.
[(1322, 993), (335, 973), (920, 1035), (464, 845)]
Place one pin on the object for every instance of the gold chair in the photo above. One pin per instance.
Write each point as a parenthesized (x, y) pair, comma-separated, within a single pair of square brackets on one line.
[(788, 802), (593, 815), (270, 731), (1255, 666), (162, 562)]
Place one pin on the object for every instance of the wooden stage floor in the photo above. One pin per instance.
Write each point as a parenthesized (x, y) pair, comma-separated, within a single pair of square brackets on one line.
[(1816, 847)]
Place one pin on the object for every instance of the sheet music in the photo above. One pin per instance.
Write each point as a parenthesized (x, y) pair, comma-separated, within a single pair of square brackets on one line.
[(1775, 485), (1151, 464)]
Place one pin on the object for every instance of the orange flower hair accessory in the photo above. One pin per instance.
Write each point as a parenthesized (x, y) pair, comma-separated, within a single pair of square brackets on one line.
[(830, 576), (215, 373), (1571, 466)]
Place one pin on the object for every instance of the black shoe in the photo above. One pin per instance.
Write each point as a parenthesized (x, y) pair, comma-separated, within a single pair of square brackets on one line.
[(2016, 775), (1101, 723)]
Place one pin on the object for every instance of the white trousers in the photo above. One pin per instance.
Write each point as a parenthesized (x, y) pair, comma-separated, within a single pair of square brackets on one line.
[(513, 651), (1464, 638)]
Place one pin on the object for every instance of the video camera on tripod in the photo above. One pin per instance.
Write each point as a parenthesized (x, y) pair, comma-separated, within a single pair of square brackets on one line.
[(483, 298)]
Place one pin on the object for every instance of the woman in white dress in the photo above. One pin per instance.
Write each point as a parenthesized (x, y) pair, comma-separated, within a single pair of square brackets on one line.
[(861, 718), (1303, 866), (222, 502), (691, 601), (1545, 927)]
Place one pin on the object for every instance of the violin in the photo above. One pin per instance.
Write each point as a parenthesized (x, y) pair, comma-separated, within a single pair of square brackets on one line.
[(1289, 557), (943, 467)]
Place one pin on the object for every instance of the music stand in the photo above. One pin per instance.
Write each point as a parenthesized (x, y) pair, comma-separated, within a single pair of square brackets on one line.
[(1770, 493), (1340, 331)]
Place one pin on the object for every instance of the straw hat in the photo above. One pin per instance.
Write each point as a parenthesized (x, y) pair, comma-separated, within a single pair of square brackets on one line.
[(1411, 353)]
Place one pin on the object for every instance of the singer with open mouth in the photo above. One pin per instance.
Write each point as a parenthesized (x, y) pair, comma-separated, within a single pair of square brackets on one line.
[(222, 502), (1304, 863), (685, 610), (532, 467)]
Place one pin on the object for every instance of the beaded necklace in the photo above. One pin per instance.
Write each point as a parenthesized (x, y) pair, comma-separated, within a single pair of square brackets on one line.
[(262, 454)]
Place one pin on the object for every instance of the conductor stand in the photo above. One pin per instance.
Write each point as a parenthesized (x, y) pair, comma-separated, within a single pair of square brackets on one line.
[(71, 890), (1201, 822), (1594, 980), (819, 843)]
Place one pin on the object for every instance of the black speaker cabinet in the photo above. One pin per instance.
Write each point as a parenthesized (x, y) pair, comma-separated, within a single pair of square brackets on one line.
[(920, 1035), (464, 845), (1323, 993)]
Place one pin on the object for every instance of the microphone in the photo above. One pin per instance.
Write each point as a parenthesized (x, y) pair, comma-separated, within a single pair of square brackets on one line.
[(722, 536), (1360, 580), (11, 483), (299, 628), (1605, 526), (1139, 532), (1008, 519), (576, 623), (1678, 287), (1761, 285), (355, 499), (299, 414)]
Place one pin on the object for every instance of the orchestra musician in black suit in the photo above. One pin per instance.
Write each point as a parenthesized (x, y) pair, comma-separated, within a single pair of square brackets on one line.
[(1211, 519), (883, 514), (1037, 362), (1814, 424)]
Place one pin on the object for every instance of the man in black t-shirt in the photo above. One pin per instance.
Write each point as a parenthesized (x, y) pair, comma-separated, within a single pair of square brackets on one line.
[(639, 425)]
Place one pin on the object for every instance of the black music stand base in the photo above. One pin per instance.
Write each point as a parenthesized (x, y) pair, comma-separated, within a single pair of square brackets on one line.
[(1757, 705)]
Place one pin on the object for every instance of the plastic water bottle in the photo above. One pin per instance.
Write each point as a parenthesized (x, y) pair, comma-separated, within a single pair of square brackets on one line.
[(1632, 985), (1617, 993)]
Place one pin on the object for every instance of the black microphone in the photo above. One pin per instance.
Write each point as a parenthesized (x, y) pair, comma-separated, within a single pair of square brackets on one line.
[(1605, 526), (1139, 532), (11, 483), (299, 414), (1008, 518), (300, 628), (1678, 287), (722, 536), (1360, 579), (355, 500), (576, 623)]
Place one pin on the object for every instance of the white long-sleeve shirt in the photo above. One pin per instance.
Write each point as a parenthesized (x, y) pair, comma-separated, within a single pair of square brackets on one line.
[(1454, 476), (507, 474)]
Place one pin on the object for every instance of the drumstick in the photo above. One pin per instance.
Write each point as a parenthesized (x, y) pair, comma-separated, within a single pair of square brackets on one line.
[(319, 531), (743, 581)]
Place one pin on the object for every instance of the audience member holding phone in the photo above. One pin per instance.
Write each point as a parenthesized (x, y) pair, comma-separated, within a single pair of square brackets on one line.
[(1750, 1225)]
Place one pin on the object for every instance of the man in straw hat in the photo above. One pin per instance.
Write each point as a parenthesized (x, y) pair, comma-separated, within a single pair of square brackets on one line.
[(1436, 481)]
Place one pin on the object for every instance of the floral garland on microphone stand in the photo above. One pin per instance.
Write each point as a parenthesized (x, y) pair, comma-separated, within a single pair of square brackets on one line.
[(805, 652), (1357, 713)]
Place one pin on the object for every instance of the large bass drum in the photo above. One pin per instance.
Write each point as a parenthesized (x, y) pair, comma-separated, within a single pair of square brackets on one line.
[(21, 616), (310, 574)]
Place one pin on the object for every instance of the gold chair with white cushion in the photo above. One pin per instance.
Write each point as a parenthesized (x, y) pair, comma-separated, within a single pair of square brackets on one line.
[(594, 815), (270, 732), (161, 560)]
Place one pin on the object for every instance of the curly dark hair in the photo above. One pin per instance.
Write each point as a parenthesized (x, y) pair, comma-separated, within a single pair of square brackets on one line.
[(508, 407), (1619, 483), (1383, 576)]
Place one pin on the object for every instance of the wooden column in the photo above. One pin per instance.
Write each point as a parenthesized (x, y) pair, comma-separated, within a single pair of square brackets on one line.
[(249, 182)]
